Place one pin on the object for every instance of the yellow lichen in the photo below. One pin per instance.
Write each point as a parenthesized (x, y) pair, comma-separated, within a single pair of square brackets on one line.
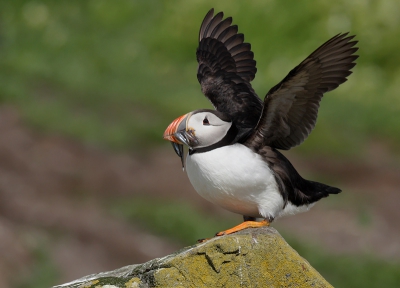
[(89, 284), (133, 283), (240, 261), (250, 258)]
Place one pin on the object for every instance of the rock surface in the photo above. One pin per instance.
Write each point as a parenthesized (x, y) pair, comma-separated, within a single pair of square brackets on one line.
[(249, 258)]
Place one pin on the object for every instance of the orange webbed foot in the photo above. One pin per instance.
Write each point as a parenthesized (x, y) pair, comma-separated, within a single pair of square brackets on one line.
[(244, 225)]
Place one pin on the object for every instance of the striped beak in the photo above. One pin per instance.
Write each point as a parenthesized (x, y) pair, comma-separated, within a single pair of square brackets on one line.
[(176, 129), (177, 133)]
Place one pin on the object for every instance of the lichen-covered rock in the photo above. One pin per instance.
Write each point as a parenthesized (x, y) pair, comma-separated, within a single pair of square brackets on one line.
[(249, 258)]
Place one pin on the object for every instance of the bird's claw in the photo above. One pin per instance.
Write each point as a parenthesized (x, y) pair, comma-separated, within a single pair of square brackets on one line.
[(203, 240)]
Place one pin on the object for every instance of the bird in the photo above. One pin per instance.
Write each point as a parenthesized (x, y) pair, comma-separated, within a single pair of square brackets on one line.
[(233, 157)]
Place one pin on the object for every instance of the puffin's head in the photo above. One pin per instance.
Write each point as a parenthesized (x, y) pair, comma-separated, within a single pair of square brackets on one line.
[(198, 129)]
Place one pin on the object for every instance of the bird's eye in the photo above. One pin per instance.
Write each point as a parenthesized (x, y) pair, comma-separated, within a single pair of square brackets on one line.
[(205, 121)]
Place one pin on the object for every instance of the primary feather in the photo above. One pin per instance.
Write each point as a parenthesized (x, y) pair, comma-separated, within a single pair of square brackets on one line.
[(225, 69)]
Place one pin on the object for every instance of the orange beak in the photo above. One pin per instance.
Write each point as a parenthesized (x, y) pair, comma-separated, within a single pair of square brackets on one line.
[(176, 133), (177, 125)]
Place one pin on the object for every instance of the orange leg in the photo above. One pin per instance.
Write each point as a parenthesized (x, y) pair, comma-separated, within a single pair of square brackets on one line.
[(244, 225)]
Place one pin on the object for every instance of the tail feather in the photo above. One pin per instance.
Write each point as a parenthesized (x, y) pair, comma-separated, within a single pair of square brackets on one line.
[(314, 191), (295, 188)]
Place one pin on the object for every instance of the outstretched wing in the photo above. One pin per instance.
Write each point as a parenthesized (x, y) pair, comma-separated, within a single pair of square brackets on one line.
[(291, 107), (225, 69)]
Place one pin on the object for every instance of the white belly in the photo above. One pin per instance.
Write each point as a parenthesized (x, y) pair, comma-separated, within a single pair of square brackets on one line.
[(237, 179)]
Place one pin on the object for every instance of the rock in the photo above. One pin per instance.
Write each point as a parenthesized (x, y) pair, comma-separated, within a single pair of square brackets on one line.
[(250, 258)]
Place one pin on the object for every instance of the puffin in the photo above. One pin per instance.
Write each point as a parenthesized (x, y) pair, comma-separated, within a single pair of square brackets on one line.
[(233, 158)]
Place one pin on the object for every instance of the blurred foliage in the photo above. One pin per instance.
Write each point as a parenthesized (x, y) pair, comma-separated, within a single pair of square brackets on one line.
[(349, 270), (44, 273), (178, 219), (187, 224), (116, 74)]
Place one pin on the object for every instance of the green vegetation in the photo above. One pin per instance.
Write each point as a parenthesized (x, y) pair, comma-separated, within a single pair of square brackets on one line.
[(178, 219), (187, 224), (349, 270), (43, 274), (117, 74)]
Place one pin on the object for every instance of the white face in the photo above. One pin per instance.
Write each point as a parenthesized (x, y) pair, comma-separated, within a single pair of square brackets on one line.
[(208, 128)]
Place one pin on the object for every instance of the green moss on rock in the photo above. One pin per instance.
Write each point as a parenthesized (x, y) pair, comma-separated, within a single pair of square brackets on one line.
[(249, 258)]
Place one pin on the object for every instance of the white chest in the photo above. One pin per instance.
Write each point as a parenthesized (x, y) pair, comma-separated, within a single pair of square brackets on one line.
[(237, 179)]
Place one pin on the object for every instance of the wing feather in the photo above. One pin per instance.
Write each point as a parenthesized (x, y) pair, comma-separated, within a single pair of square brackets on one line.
[(291, 107), (226, 68)]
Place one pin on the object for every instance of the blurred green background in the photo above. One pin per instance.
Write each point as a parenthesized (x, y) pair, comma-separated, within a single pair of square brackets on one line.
[(113, 74)]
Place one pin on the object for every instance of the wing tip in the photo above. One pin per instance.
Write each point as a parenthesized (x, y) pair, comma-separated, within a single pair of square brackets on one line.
[(206, 20), (216, 29)]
